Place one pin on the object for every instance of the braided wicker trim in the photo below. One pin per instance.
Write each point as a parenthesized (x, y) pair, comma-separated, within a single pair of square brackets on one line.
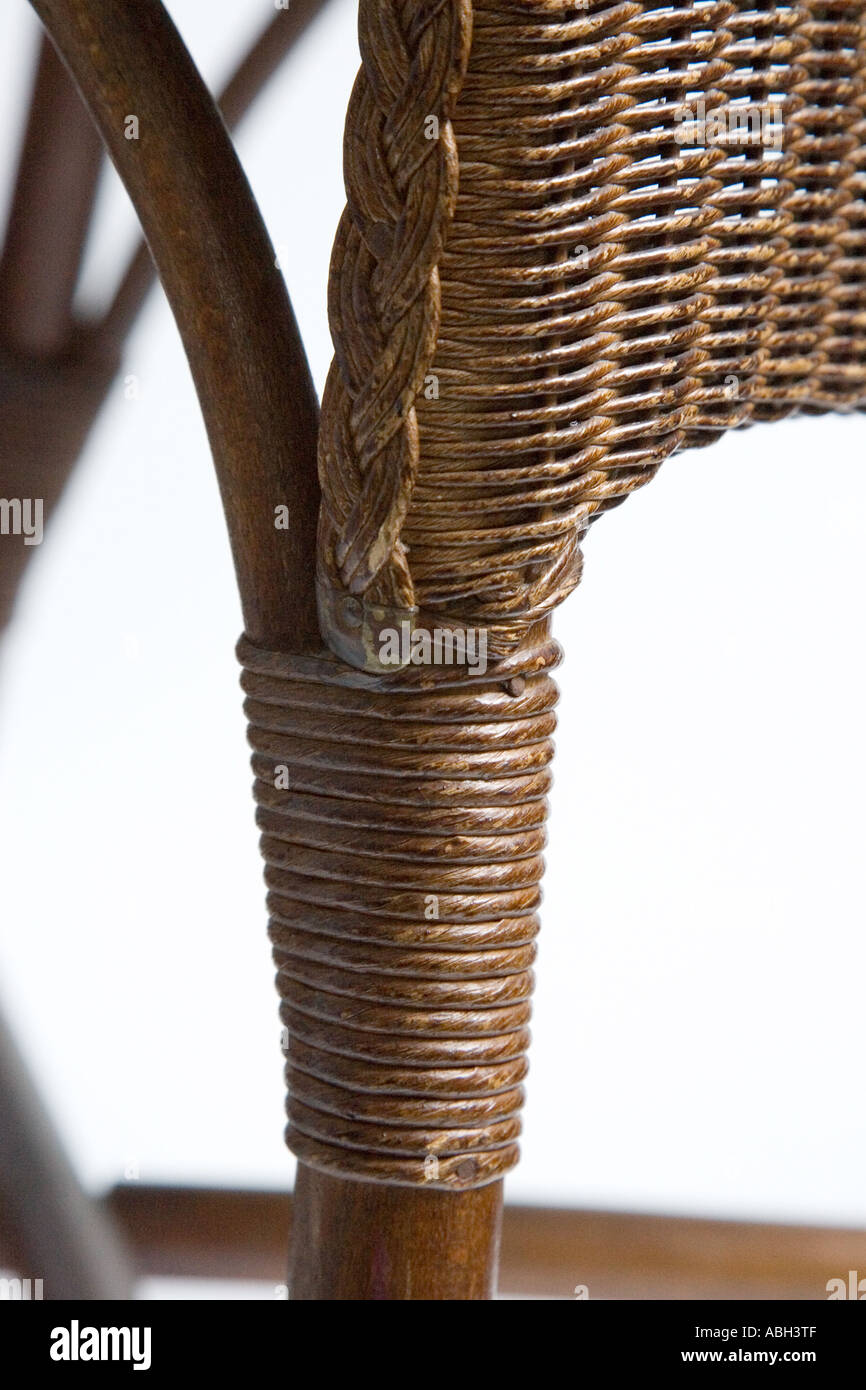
[(402, 837), (660, 234), (384, 301)]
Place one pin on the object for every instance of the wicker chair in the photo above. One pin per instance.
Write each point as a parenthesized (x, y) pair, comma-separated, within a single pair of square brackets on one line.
[(578, 238)]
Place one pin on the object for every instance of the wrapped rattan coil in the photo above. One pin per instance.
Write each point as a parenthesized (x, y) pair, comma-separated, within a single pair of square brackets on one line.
[(402, 834)]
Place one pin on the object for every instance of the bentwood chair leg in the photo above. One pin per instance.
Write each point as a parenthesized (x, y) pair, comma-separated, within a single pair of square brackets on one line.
[(57, 1233)]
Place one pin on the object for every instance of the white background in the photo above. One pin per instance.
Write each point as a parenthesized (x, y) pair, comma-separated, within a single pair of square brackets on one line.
[(698, 1037)]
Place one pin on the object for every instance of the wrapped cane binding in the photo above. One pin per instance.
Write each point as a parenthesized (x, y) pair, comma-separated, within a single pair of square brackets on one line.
[(402, 833)]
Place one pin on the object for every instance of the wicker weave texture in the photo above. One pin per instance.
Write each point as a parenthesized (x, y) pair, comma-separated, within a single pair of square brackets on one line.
[(658, 235)]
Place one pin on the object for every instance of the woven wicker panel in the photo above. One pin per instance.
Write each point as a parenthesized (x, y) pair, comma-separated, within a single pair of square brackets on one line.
[(658, 235)]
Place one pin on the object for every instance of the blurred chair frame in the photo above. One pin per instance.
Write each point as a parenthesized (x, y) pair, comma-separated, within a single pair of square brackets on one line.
[(263, 425)]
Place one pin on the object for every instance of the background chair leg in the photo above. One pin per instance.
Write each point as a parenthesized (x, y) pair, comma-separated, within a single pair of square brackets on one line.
[(49, 1226)]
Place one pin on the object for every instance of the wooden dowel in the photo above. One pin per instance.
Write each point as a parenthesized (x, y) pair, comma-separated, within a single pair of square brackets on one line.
[(546, 1252)]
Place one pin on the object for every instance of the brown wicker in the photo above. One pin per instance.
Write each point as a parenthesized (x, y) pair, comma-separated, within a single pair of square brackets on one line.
[(582, 240), (659, 235)]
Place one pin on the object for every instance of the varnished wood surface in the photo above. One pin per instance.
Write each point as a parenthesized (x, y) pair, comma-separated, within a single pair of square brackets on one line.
[(373, 1242), (545, 1252)]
